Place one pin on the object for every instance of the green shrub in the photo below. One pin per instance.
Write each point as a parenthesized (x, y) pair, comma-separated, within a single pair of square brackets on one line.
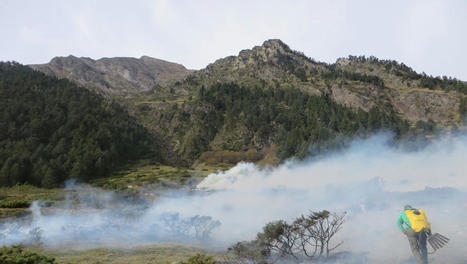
[(17, 255), (254, 251), (200, 259), (15, 204)]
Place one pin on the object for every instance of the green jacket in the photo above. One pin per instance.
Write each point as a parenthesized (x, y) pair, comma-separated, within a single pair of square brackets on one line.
[(403, 221), (413, 218)]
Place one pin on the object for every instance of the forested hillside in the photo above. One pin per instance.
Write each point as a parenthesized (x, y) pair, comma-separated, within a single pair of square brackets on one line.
[(356, 82), (236, 118), (272, 96), (398, 74), (267, 101), (52, 130)]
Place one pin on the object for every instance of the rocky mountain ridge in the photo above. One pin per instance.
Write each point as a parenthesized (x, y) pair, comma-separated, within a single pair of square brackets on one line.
[(410, 92), (273, 64), (115, 76), (356, 82)]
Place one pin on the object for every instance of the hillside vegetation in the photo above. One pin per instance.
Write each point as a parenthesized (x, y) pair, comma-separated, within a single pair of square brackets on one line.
[(233, 117), (267, 104), (398, 74), (51, 130), (271, 97), (18, 255)]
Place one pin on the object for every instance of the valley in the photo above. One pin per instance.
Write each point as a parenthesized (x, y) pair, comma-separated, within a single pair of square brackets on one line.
[(120, 160)]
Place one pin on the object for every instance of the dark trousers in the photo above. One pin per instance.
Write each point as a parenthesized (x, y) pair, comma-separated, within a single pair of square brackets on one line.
[(417, 242)]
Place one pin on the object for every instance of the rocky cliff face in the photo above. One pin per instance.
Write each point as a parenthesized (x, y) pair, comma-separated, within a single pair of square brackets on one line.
[(115, 76)]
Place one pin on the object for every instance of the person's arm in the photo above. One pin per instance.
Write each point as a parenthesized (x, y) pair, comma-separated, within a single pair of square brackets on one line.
[(400, 222)]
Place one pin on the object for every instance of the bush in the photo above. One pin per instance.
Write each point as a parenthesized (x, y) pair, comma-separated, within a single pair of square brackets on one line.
[(200, 259), (17, 255), (15, 204), (463, 109), (307, 238), (250, 251)]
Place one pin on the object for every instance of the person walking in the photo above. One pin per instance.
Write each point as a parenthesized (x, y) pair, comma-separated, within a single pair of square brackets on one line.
[(414, 224)]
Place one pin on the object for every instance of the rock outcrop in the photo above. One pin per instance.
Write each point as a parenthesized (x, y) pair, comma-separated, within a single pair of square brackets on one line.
[(115, 76)]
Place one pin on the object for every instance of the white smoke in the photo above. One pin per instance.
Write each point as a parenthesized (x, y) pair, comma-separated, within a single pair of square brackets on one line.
[(370, 180)]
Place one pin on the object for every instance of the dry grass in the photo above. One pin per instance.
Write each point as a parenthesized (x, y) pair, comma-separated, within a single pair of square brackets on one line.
[(25, 194), (270, 156), (225, 159), (144, 173), (230, 157)]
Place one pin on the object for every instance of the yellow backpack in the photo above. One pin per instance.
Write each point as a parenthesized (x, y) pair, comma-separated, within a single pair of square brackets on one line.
[(417, 219)]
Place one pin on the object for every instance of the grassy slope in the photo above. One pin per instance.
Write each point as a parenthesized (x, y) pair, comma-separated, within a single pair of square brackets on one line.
[(14, 201), (127, 179), (159, 253), (144, 173)]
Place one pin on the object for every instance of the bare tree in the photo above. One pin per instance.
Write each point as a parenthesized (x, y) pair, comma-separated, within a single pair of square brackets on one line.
[(198, 226), (281, 238), (306, 238), (203, 226), (316, 232)]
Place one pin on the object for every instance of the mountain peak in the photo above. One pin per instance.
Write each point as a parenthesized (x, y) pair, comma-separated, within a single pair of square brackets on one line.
[(270, 50), (117, 75), (268, 64), (275, 44), (63, 58)]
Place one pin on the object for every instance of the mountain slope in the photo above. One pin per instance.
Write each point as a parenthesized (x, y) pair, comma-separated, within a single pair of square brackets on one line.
[(416, 96), (238, 118), (358, 96), (51, 130), (274, 64), (256, 116), (115, 76)]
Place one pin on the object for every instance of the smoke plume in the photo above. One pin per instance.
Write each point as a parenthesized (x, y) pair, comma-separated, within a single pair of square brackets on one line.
[(371, 181)]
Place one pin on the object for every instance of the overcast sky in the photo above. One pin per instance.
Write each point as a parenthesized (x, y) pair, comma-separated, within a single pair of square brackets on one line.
[(429, 36)]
